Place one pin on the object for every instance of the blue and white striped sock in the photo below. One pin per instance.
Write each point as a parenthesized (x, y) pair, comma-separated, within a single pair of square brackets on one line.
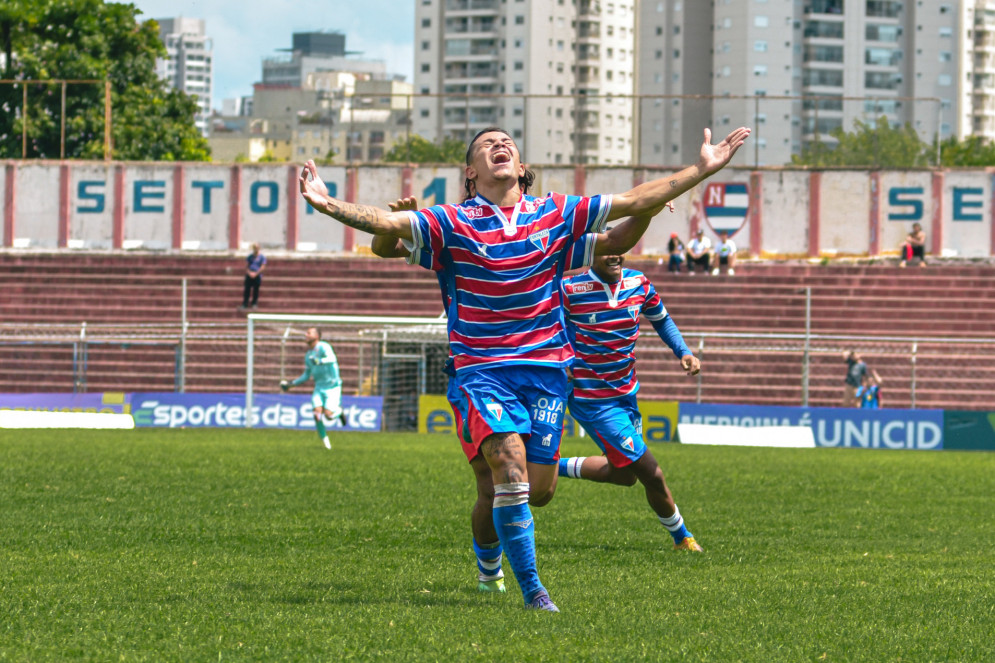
[(570, 467), (675, 525), (488, 560), (515, 528)]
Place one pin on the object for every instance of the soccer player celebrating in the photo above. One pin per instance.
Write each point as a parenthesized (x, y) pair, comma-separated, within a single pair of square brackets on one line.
[(321, 365), (603, 306), (503, 254)]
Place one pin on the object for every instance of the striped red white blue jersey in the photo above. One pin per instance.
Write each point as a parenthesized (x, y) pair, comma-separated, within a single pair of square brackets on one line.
[(503, 274), (603, 321)]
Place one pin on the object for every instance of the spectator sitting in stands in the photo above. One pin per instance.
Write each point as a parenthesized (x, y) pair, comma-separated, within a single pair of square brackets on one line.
[(914, 246), (724, 254), (675, 247), (699, 252)]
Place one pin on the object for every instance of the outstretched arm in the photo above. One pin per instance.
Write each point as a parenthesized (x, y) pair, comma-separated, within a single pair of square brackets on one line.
[(361, 217), (653, 194), (667, 330), (622, 237), (388, 246)]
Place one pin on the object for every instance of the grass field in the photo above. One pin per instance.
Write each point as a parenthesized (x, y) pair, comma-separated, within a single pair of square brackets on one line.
[(262, 546)]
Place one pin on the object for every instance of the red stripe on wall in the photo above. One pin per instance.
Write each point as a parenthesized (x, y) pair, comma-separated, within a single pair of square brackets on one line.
[(756, 212), (351, 184), (64, 175), (179, 206), (580, 180), (8, 205), (638, 177), (235, 209), (407, 177), (814, 194), (117, 222), (293, 207), (937, 230), (874, 218)]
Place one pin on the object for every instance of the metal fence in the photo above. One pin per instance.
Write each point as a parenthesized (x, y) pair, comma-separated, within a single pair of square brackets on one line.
[(769, 369)]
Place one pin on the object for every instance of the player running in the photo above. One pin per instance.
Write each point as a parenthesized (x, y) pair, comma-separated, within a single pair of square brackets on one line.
[(603, 306), (503, 254), (321, 365)]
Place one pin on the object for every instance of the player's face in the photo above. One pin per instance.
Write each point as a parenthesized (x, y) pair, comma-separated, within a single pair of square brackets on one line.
[(495, 156), (311, 337), (608, 268)]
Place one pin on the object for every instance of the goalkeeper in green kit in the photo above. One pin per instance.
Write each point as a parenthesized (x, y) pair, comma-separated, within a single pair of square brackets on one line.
[(321, 366)]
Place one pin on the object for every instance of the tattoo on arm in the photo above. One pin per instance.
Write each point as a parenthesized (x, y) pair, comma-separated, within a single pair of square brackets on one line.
[(673, 184), (361, 217)]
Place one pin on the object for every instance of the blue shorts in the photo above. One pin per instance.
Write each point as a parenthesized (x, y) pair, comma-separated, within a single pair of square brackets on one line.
[(528, 400), (459, 404), (616, 426)]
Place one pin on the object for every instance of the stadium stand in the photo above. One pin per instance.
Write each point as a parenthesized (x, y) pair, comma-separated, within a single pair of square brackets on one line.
[(869, 301)]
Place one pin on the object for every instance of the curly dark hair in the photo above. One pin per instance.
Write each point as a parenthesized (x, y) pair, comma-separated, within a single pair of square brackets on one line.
[(524, 182)]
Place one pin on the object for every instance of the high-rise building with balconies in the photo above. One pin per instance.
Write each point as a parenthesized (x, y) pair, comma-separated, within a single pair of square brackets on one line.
[(557, 74), (188, 65)]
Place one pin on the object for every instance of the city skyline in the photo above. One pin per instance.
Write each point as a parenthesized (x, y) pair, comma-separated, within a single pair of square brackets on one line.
[(380, 29)]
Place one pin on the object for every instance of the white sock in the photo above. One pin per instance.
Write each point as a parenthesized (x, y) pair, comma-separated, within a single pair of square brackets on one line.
[(573, 466), (674, 522)]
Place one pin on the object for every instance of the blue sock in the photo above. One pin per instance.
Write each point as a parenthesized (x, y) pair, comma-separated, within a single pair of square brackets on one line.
[(488, 559), (515, 528), (570, 467), (561, 469)]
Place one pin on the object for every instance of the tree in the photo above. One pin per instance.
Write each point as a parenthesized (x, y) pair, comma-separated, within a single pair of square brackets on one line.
[(973, 151), (420, 150), (869, 146), (91, 40)]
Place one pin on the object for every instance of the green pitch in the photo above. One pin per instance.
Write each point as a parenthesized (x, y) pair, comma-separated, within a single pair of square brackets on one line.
[(263, 546)]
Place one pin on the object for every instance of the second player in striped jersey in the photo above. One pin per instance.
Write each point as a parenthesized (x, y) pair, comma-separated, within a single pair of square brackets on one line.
[(603, 307)]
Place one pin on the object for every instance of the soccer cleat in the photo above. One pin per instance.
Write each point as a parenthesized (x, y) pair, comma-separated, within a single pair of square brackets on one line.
[(715, 272), (732, 272), (328, 443), (495, 586), (688, 544), (542, 602)]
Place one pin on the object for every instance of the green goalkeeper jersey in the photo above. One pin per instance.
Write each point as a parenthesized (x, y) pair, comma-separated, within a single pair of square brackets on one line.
[(321, 366)]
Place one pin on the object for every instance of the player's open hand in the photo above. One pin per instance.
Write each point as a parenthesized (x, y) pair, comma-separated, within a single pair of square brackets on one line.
[(312, 187), (714, 157), (691, 364), (409, 204)]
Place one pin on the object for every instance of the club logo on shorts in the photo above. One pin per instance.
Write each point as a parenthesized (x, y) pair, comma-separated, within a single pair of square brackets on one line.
[(547, 440), (628, 444), (540, 240), (495, 409)]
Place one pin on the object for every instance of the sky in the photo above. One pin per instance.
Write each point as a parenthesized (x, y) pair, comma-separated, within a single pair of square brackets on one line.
[(247, 31)]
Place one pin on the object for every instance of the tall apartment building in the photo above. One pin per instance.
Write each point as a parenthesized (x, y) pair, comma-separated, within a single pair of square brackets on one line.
[(558, 74), (189, 62), (795, 70)]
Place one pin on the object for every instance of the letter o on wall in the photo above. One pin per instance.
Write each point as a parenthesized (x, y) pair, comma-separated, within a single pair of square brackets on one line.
[(271, 204)]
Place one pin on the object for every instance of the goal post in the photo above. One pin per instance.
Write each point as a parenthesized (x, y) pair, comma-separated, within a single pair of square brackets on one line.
[(395, 357)]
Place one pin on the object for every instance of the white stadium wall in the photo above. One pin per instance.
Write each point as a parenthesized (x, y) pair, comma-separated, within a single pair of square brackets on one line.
[(772, 212)]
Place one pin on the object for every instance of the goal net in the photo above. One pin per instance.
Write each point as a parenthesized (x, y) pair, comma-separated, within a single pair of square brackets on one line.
[(395, 358)]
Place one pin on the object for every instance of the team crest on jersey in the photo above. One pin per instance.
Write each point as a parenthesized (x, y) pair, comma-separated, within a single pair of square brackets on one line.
[(580, 287), (628, 444), (634, 312), (726, 205), (592, 319), (540, 240), (495, 409)]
